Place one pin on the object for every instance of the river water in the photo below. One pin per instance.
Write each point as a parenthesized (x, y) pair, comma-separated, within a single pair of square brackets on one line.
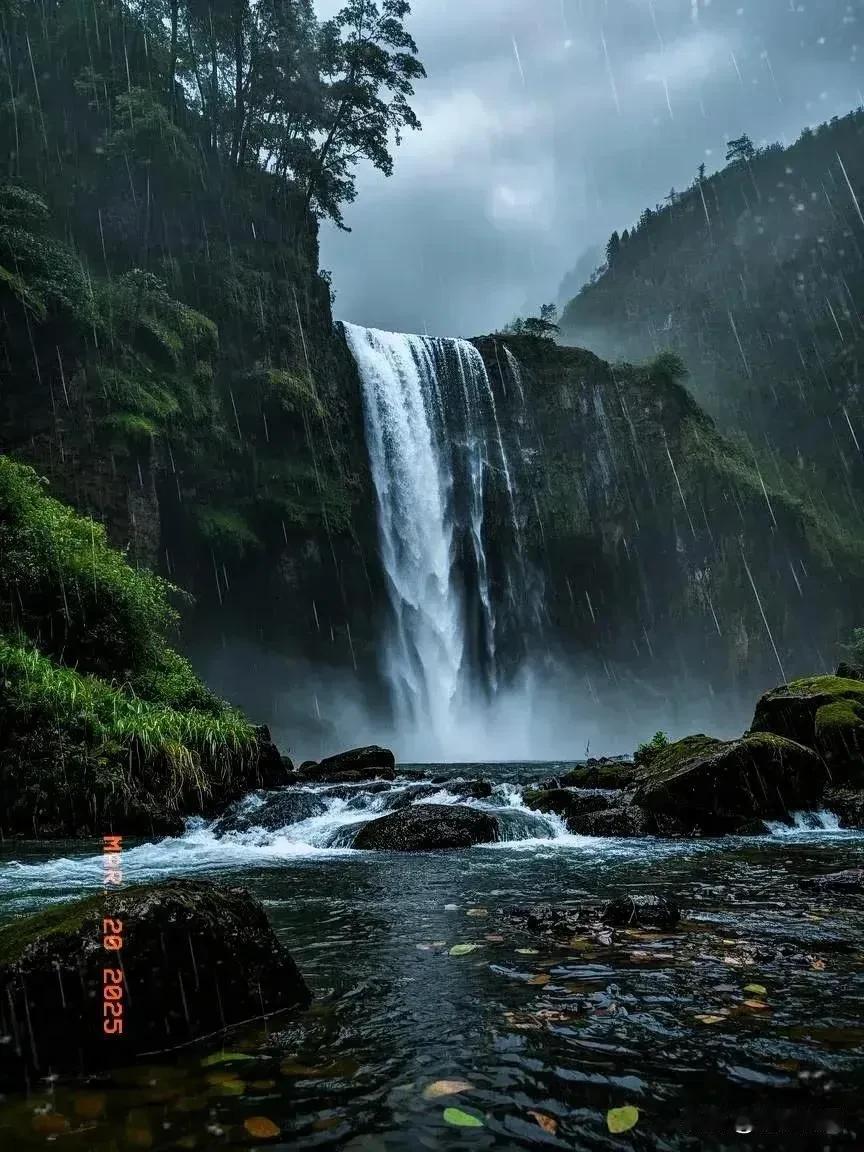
[(741, 1028)]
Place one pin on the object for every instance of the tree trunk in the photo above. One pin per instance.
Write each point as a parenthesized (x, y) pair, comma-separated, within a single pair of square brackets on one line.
[(172, 60), (237, 130)]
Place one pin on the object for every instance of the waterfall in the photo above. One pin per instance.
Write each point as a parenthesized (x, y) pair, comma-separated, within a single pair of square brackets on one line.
[(436, 451)]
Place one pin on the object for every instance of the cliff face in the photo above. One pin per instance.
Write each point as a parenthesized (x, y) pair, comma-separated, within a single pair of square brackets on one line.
[(660, 544)]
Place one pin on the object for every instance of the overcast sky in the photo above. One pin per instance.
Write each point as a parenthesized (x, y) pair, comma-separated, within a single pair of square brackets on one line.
[(547, 123)]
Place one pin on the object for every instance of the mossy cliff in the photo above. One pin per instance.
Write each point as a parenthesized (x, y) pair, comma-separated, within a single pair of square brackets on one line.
[(665, 552)]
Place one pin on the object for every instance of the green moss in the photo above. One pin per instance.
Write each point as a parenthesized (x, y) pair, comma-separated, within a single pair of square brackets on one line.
[(226, 530), (57, 920)]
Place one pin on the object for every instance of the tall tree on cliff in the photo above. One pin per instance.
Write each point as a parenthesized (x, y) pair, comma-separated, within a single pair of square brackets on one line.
[(369, 64)]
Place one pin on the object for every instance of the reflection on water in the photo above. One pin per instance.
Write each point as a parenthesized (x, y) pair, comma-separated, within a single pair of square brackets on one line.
[(748, 1016)]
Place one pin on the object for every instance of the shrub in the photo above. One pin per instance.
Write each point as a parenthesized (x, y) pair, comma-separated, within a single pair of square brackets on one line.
[(646, 752)]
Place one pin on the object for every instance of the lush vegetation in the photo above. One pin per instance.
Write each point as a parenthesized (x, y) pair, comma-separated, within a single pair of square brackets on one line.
[(100, 719), (754, 275)]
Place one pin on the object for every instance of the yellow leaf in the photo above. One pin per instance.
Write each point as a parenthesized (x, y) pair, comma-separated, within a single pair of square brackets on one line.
[(463, 949), (446, 1088), (49, 1123), (759, 1004), (547, 1123), (817, 963), (477, 912), (622, 1119), (706, 1018), (261, 1128), (540, 980), (89, 1105), (757, 989)]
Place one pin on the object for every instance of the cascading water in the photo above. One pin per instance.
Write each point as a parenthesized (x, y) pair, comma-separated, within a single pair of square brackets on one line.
[(435, 449)]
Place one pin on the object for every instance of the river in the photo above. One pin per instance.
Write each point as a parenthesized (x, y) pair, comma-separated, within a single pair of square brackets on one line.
[(742, 1027)]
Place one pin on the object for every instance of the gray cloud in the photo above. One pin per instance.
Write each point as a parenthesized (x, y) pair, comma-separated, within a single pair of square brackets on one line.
[(547, 123)]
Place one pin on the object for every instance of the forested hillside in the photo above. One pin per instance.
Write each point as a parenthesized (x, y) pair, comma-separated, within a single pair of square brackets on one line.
[(168, 344), (756, 276)]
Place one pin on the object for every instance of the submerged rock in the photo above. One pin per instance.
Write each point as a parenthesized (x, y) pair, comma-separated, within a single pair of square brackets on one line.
[(271, 811), (851, 880), (714, 787), (640, 911), (423, 827), (825, 713), (356, 765), (196, 959)]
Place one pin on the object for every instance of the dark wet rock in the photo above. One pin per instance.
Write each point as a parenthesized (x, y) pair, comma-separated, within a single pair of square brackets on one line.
[(825, 713), (428, 826), (275, 810), (847, 804), (197, 958), (641, 911), (851, 880), (473, 789), (570, 806), (715, 787), (306, 766), (370, 763), (349, 790), (612, 774), (620, 820)]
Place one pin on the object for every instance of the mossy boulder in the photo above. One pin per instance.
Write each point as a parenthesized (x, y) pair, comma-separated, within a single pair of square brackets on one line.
[(563, 802), (610, 774), (424, 827), (825, 713), (718, 787), (196, 959)]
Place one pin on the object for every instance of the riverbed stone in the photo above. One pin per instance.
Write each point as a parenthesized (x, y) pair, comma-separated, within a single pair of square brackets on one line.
[(272, 810), (196, 957), (357, 764), (424, 827), (643, 910), (718, 787), (847, 804), (850, 880), (827, 714)]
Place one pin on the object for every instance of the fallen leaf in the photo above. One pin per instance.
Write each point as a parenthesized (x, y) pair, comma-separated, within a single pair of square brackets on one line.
[(733, 961), (324, 1123), (224, 1058), (547, 1123), (817, 963), (622, 1119), (261, 1128), (139, 1137), (89, 1105), (463, 949), (707, 1018), (477, 912), (540, 980), (49, 1123), (446, 1088), (527, 951), (495, 939), (759, 1004), (757, 989), (462, 1119), (263, 1085)]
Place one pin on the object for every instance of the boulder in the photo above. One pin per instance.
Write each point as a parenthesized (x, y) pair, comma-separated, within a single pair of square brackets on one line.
[(357, 765), (473, 789), (825, 713), (618, 820), (640, 911), (423, 827), (611, 774), (851, 881), (196, 959), (273, 810), (564, 803), (847, 804), (714, 787)]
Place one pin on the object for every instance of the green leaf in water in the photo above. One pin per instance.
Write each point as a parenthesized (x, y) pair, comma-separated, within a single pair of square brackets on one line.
[(463, 949), (224, 1058), (622, 1119), (460, 1119)]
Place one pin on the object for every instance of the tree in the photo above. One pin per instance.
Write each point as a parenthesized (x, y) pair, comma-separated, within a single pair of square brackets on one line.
[(369, 64), (613, 247), (701, 174), (545, 325), (740, 150)]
